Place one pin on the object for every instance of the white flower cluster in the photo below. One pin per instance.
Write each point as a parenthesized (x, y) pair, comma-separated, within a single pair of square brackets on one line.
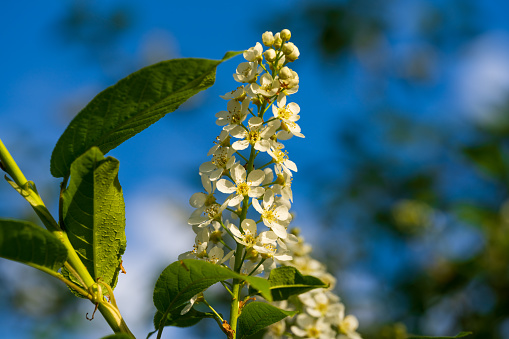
[(266, 82), (323, 315), (257, 118)]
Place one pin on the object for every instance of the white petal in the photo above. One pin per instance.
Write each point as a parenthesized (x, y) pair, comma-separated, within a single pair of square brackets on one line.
[(256, 205), (216, 174), (262, 145), (268, 198), (281, 213), (291, 165), (205, 181), (255, 177), (240, 145), (238, 173), (226, 186), (255, 121), (256, 192), (197, 200), (207, 167), (235, 200), (279, 230), (249, 225)]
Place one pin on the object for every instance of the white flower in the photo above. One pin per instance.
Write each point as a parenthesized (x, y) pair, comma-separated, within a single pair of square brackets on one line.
[(238, 94), (199, 251), (201, 199), (282, 162), (283, 186), (203, 216), (249, 236), (235, 114), (258, 135), (273, 216), (222, 160), (308, 327), (241, 187), (270, 55), (318, 303), (222, 140), (254, 53), (347, 326), (268, 86), (289, 81), (276, 330), (288, 114), (216, 255), (247, 72)]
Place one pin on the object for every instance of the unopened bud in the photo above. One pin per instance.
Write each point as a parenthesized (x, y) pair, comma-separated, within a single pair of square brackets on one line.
[(294, 55), (277, 41), (268, 39), (288, 48), (286, 35), (285, 73), (270, 55)]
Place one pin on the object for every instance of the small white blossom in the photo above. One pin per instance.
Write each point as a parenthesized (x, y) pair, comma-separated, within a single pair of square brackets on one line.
[(258, 135), (308, 327), (282, 162), (238, 94), (288, 114), (235, 114), (203, 216), (222, 160), (247, 72), (254, 53), (273, 216), (268, 86), (241, 187)]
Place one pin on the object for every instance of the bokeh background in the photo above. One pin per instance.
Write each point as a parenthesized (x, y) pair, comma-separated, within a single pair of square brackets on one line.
[(403, 177)]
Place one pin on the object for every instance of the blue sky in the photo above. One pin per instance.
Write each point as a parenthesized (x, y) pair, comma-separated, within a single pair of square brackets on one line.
[(45, 80)]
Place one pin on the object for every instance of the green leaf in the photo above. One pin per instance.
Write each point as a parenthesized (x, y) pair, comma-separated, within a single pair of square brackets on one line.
[(286, 281), (489, 158), (459, 335), (183, 279), (174, 317), (256, 316), (30, 244), (93, 215), (133, 104)]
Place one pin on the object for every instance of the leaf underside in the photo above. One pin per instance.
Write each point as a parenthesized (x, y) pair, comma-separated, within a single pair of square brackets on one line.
[(30, 244), (256, 316), (94, 216)]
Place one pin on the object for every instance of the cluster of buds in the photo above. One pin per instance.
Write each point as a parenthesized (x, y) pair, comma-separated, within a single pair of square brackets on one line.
[(258, 117)]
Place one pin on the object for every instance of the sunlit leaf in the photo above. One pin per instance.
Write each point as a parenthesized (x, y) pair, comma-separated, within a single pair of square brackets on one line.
[(133, 104)]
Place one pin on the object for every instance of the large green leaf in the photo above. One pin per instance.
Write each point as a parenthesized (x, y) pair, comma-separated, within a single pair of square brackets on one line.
[(93, 214), (459, 335), (286, 281), (30, 244), (133, 104), (256, 316), (182, 280)]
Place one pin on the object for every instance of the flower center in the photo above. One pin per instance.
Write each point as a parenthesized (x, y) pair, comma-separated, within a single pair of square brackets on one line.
[(284, 113), (212, 211), (242, 189), (253, 137)]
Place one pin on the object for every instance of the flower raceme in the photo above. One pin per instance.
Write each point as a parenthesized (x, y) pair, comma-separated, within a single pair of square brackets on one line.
[(259, 196)]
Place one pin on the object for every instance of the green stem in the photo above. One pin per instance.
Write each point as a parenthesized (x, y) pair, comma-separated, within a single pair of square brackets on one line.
[(237, 283), (29, 192)]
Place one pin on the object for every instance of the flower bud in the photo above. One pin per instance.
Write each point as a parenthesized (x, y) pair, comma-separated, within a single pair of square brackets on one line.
[(268, 39), (277, 41), (294, 55), (288, 48), (285, 73), (286, 35), (270, 55)]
